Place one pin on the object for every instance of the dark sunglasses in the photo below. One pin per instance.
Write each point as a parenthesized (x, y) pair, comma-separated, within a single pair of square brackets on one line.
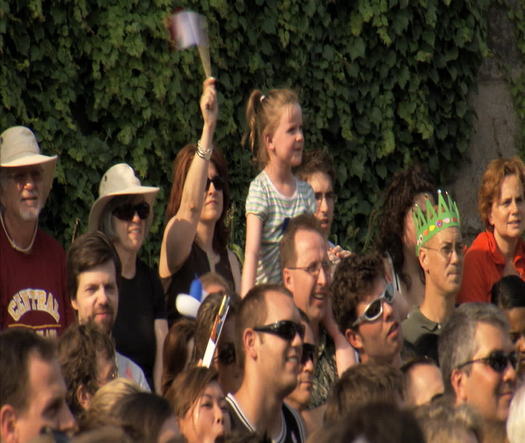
[(309, 353), (127, 212), (286, 329), (226, 354), (375, 309), (497, 360), (218, 183)]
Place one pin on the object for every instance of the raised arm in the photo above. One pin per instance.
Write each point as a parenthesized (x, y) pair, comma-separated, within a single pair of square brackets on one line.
[(180, 231), (254, 226)]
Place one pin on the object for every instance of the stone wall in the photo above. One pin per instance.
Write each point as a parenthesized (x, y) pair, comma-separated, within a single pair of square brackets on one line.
[(496, 127)]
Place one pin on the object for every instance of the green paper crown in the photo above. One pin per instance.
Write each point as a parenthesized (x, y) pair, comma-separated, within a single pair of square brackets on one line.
[(430, 222)]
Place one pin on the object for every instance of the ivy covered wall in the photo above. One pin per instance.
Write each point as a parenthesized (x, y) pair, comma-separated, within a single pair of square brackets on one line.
[(382, 83)]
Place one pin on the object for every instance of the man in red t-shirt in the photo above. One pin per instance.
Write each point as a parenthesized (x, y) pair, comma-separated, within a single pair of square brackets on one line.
[(32, 264)]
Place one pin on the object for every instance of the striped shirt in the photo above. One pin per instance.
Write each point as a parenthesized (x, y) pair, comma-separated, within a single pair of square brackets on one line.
[(275, 210)]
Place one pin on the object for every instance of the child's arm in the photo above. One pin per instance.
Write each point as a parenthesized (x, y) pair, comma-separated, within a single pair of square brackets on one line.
[(180, 231), (344, 352), (254, 226)]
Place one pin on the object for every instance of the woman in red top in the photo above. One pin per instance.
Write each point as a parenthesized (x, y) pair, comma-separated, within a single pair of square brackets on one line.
[(500, 250)]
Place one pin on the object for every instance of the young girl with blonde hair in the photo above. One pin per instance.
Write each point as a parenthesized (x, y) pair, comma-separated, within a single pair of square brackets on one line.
[(275, 135)]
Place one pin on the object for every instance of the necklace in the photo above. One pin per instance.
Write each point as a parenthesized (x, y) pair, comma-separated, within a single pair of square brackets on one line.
[(12, 242)]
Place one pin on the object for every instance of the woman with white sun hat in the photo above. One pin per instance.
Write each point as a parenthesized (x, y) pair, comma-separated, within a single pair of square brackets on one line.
[(124, 212)]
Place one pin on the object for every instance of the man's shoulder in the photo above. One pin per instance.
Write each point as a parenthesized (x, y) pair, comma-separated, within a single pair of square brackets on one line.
[(48, 244)]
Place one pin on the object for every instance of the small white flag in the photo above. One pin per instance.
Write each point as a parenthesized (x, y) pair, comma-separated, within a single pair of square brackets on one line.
[(187, 28)]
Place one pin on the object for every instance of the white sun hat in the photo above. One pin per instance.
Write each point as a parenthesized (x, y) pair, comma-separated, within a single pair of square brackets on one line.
[(18, 147), (120, 179)]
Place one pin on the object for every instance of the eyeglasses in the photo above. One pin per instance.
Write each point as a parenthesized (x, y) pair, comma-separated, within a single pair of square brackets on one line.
[(329, 196), (374, 310), (226, 354), (286, 329), (497, 360), (218, 183), (447, 250), (314, 268), (127, 212), (21, 177), (309, 353)]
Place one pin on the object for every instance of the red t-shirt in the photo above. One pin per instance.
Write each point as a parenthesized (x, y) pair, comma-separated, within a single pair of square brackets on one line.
[(483, 266), (33, 287)]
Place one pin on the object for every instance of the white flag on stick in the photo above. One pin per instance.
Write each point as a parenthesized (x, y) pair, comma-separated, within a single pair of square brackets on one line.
[(187, 29)]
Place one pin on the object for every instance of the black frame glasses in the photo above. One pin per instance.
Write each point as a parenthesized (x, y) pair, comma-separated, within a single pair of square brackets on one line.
[(218, 183), (286, 329), (127, 212), (497, 360), (309, 353), (374, 310)]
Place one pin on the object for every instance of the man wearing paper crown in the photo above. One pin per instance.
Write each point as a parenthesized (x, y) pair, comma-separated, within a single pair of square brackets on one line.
[(439, 248), (32, 264)]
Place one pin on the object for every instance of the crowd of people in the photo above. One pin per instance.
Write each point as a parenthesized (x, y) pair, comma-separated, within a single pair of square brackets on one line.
[(418, 339)]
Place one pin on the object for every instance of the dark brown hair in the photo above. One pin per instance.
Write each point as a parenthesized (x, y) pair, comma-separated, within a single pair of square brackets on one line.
[(493, 177), (17, 346), (88, 251), (387, 223), (181, 166), (78, 348), (354, 279), (175, 350), (318, 160), (187, 387), (362, 384)]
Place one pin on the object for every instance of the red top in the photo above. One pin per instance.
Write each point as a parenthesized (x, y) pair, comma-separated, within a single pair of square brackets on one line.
[(483, 266), (33, 287)]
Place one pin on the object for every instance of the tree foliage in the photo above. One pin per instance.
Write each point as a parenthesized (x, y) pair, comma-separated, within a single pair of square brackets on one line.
[(382, 83)]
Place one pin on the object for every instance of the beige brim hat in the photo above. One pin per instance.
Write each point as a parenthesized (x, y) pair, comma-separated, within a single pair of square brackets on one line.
[(18, 147), (120, 179)]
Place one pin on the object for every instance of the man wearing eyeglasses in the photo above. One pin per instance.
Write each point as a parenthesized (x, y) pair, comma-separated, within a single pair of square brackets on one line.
[(32, 264), (269, 336), (478, 364), (364, 311), (440, 248), (307, 274)]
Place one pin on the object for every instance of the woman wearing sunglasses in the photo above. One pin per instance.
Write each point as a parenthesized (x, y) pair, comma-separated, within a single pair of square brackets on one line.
[(124, 212), (500, 250), (196, 237)]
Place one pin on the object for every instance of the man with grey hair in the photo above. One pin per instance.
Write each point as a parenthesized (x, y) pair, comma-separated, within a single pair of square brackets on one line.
[(478, 364), (32, 264)]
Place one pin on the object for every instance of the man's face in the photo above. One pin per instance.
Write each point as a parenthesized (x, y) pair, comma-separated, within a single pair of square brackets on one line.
[(442, 260), (279, 359), (378, 340), (310, 284), (21, 192), (301, 395), (46, 405), (97, 296), (485, 389), (323, 188)]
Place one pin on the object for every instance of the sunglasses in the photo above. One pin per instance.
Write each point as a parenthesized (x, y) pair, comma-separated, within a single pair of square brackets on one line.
[(497, 360), (286, 329), (309, 353), (218, 183), (127, 212), (375, 309), (226, 354)]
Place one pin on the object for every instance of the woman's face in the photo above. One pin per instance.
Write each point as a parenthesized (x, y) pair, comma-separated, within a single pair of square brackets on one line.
[(129, 226), (409, 234), (213, 198), (507, 212), (208, 418)]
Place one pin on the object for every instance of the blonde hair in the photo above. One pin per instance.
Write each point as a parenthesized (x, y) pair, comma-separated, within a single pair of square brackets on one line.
[(263, 112), (103, 402)]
